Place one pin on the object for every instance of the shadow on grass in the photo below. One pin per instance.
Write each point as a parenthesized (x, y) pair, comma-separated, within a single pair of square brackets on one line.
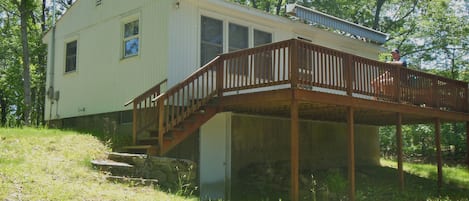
[(372, 183)]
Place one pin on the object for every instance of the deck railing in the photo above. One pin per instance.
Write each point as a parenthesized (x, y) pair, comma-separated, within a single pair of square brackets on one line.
[(298, 64)]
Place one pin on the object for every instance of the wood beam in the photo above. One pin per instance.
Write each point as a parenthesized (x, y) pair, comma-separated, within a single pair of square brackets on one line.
[(351, 153), (438, 151), (281, 95), (294, 141), (399, 151), (328, 98)]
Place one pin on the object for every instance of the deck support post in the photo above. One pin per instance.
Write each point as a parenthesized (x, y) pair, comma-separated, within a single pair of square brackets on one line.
[(399, 151), (467, 143), (294, 141), (351, 152), (438, 151), (160, 105)]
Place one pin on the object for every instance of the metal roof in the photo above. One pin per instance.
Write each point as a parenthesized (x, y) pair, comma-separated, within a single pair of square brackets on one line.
[(317, 17)]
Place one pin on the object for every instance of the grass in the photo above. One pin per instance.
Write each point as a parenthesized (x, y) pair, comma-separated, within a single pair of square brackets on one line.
[(45, 164), (372, 183)]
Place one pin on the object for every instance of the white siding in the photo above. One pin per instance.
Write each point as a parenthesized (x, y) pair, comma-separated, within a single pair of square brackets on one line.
[(104, 81)]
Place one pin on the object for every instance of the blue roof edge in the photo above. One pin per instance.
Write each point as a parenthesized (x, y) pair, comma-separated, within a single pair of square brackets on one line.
[(316, 17)]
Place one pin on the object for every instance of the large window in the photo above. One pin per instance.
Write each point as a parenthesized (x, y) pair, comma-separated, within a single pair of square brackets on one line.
[(239, 36), (131, 40), (261, 37), (211, 39), (71, 56), (263, 60), (238, 39)]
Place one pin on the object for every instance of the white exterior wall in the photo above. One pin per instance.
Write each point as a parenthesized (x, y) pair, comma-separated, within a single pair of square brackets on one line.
[(169, 48), (103, 81), (215, 158)]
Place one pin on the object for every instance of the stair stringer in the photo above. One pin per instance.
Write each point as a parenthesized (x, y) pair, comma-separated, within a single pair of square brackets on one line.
[(189, 127)]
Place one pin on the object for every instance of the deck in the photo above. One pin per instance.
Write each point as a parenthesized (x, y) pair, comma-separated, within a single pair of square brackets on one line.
[(301, 80)]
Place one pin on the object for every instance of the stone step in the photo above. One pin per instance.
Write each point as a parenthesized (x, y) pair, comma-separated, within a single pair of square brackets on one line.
[(128, 158), (133, 181), (141, 149), (114, 167)]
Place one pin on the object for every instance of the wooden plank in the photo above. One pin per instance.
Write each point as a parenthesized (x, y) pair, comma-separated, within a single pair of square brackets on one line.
[(351, 152), (294, 136), (438, 152), (399, 151)]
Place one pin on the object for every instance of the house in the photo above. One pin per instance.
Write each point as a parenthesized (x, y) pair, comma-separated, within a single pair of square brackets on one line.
[(231, 87)]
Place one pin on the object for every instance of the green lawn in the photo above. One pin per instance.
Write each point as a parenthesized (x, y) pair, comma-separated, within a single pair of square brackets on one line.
[(46, 164)]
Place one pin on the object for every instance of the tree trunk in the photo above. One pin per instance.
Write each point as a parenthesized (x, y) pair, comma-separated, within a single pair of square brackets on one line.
[(278, 7), (24, 14), (4, 109), (379, 5), (254, 4)]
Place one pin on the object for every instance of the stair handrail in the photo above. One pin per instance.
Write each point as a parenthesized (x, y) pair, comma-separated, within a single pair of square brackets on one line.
[(155, 88), (137, 104)]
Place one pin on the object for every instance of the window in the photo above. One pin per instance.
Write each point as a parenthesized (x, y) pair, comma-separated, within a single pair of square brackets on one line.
[(131, 39), (263, 60), (238, 37), (71, 56), (211, 39), (261, 38)]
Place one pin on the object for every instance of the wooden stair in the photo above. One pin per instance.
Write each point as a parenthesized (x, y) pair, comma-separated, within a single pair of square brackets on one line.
[(150, 144)]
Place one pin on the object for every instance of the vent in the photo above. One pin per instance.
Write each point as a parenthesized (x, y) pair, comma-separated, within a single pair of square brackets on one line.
[(99, 2)]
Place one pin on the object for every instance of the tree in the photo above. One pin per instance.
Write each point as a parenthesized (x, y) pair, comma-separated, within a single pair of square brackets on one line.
[(25, 8), (22, 62)]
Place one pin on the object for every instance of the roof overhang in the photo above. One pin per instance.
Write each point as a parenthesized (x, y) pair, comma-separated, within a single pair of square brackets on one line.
[(316, 17)]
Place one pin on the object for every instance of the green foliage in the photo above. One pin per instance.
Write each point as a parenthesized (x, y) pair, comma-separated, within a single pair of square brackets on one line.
[(419, 142)]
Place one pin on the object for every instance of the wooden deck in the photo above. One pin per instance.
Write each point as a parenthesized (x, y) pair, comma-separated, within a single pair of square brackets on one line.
[(301, 80)]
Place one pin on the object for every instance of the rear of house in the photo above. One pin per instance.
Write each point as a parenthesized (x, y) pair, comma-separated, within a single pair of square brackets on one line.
[(104, 53)]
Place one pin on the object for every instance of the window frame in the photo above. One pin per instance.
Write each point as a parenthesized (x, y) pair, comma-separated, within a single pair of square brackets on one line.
[(208, 43), (68, 70), (124, 39), (226, 21)]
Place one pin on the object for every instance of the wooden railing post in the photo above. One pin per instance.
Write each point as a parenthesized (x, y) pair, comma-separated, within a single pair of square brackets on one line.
[(348, 68), (398, 84), (134, 123), (435, 93), (466, 99), (294, 64), (220, 73)]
